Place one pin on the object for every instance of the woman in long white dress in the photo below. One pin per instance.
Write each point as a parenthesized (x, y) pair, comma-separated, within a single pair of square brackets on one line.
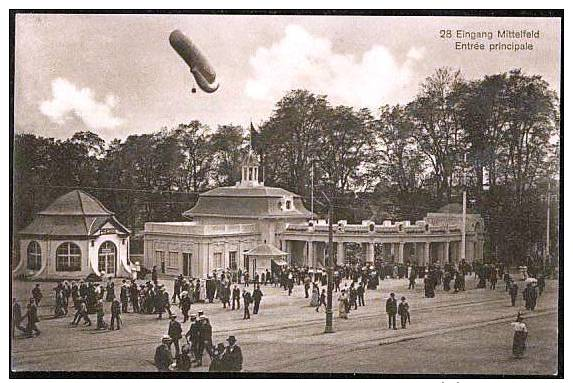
[(342, 303), (519, 337)]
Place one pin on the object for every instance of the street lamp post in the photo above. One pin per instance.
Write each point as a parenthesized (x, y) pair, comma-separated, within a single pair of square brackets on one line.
[(329, 272)]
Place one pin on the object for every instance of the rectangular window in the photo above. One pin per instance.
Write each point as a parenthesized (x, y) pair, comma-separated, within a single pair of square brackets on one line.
[(233, 260), (217, 260), (159, 257), (173, 260)]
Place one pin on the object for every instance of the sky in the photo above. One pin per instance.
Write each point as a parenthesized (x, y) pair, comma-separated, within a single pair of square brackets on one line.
[(117, 75)]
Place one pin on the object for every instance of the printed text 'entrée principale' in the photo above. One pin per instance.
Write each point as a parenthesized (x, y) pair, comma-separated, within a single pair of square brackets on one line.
[(501, 40)]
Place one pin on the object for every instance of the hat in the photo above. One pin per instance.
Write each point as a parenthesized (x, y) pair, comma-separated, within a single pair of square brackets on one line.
[(193, 316), (165, 338), (221, 346), (231, 339), (403, 298), (200, 313), (391, 294), (172, 316)]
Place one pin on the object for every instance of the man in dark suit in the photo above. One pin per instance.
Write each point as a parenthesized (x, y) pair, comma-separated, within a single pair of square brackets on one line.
[(257, 296), (115, 312), (233, 356), (513, 291), (236, 298), (391, 310), (246, 302), (32, 315), (360, 291), (174, 333)]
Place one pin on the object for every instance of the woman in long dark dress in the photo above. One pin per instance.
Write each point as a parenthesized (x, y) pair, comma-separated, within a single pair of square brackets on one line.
[(519, 337)]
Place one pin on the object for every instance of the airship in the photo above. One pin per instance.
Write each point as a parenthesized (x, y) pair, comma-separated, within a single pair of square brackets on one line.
[(201, 70)]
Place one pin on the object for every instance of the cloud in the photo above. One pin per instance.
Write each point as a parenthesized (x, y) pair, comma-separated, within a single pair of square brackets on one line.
[(301, 60), (69, 101)]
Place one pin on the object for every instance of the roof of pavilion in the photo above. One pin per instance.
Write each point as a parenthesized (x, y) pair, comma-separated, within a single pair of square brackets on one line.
[(252, 202), (73, 214)]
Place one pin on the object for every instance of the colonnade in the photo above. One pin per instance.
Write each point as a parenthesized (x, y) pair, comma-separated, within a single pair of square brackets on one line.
[(313, 253)]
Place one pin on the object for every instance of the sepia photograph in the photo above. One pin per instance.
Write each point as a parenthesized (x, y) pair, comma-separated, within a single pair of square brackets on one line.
[(227, 193)]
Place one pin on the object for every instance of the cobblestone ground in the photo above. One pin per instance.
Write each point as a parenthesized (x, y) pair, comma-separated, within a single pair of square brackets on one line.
[(468, 333)]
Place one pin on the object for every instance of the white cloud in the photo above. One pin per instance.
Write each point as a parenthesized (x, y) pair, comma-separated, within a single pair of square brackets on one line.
[(301, 60), (69, 101)]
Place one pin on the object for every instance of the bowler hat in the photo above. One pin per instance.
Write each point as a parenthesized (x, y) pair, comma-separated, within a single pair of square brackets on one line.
[(231, 339)]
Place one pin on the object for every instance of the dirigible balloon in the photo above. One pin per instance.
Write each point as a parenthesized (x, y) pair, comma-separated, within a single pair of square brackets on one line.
[(200, 69)]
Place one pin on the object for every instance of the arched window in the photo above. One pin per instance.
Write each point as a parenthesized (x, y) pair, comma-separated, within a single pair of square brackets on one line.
[(34, 256), (68, 257), (107, 256)]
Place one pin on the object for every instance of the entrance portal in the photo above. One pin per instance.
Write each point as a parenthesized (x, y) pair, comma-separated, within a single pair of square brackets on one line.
[(107, 258)]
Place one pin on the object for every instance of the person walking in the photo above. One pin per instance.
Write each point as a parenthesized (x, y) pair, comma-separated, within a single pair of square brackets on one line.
[(115, 314), (412, 279), (32, 316), (513, 291), (174, 333), (185, 304), (109, 290), (217, 364), (257, 296), (37, 294), (360, 292), (193, 335), (391, 310), (163, 358), (236, 297), (82, 313), (124, 296), (246, 302), (206, 331), (322, 300), (342, 303), (404, 312), (17, 317), (519, 336), (100, 315), (233, 356)]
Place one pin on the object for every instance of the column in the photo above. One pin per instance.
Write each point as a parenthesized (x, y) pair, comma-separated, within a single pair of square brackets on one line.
[(370, 252), (401, 252), (470, 251), (426, 253), (446, 252), (340, 253), (311, 256)]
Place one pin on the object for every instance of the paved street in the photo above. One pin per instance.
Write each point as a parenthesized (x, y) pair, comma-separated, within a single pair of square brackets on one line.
[(467, 332)]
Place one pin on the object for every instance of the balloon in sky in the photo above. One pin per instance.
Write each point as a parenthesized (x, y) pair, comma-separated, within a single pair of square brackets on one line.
[(201, 70)]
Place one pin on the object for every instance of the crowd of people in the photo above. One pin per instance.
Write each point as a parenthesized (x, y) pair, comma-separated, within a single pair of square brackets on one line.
[(233, 288)]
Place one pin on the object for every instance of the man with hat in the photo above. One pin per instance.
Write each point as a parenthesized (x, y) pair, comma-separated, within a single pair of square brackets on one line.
[(236, 298), (206, 338), (233, 356), (163, 358), (391, 310), (185, 304), (174, 333), (246, 302), (194, 335)]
